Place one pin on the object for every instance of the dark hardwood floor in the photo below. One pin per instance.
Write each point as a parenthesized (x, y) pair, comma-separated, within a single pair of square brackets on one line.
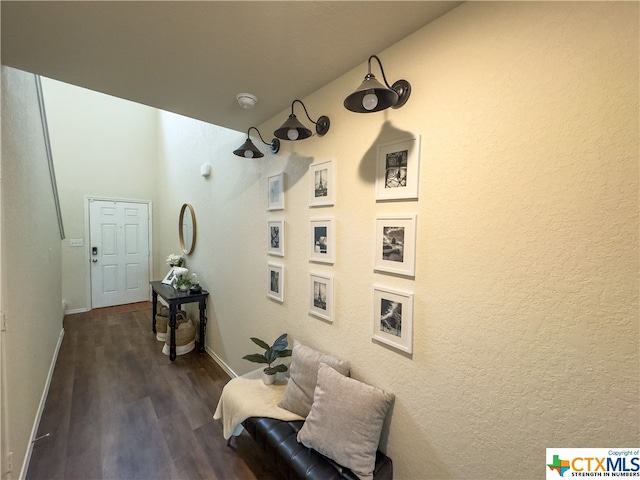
[(118, 409)]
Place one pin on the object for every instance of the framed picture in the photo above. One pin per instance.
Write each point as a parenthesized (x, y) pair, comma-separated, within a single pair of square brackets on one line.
[(275, 237), (321, 241), (275, 192), (393, 318), (398, 169), (323, 184), (396, 245), (275, 282), (168, 278), (321, 296)]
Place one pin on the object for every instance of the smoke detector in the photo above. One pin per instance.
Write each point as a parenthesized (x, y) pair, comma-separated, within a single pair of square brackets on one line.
[(246, 100)]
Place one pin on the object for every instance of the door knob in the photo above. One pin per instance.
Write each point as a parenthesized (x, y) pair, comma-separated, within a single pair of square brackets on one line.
[(94, 260)]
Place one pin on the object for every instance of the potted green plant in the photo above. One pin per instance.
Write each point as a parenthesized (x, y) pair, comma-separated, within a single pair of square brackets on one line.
[(271, 354), (183, 284), (180, 279)]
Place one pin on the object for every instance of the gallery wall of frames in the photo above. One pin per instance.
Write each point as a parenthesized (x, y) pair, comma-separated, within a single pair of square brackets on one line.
[(397, 180)]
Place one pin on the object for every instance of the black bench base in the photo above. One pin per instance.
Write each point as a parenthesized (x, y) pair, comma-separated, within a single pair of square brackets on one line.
[(294, 461)]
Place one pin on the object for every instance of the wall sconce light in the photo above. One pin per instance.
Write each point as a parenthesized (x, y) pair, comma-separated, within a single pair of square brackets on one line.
[(292, 129), (249, 150), (372, 96)]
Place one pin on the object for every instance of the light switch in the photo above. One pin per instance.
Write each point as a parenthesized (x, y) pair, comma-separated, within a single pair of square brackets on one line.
[(75, 242)]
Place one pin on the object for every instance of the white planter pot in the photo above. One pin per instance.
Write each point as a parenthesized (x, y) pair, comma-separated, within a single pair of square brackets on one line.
[(268, 379)]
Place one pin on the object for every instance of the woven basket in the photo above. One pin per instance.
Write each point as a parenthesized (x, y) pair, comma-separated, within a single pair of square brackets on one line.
[(185, 339), (162, 322)]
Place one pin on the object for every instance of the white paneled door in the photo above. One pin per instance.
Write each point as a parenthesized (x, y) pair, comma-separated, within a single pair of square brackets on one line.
[(118, 252)]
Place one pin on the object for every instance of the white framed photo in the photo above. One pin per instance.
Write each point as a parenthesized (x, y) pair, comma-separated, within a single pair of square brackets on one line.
[(275, 237), (398, 170), (393, 318), (169, 277), (323, 184), (396, 245), (321, 240), (321, 296), (275, 282), (275, 192)]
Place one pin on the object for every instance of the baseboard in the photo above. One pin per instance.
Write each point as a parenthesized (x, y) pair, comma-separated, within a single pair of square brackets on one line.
[(77, 310), (220, 362), (43, 399)]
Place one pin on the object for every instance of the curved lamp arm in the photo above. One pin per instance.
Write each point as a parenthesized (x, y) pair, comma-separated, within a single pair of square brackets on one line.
[(305, 110), (254, 128), (384, 77), (322, 124)]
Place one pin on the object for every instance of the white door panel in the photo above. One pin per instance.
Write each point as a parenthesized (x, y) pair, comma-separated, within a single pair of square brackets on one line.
[(119, 252)]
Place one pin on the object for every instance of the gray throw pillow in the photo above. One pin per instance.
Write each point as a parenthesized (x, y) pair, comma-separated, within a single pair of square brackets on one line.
[(345, 422), (298, 396)]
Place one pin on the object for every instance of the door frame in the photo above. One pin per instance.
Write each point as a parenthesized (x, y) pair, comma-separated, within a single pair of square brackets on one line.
[(87, 235)]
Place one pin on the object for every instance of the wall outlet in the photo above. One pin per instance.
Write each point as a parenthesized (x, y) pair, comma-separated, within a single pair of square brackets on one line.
[(10, 462), (75, 242)]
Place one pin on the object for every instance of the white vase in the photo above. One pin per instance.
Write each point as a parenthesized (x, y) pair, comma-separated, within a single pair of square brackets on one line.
[(268, 379)]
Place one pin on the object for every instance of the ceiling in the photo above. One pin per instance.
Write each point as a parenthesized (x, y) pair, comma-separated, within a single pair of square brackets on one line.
[(192, 58)]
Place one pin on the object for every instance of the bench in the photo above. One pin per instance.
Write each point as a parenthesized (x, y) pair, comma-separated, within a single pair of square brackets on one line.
[(277, 439), (337, 420)]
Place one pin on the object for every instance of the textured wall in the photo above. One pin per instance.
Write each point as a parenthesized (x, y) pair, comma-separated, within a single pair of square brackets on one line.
[(526, 287), (102, 146), (229, 251), (30, 263)]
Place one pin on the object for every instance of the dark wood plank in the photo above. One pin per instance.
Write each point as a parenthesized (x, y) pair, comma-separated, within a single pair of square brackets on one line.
[(118, 408)]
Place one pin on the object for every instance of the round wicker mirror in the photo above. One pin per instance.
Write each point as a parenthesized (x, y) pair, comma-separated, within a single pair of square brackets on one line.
[(187, 228)]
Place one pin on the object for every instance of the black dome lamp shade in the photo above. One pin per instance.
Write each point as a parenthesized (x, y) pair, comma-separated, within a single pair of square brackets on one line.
[(293, 129), (249, 150), (372, 96)]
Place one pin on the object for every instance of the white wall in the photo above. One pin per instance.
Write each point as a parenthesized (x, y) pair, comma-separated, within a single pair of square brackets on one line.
[(184, 145), (102, 146), (31, 292), (526, 286), (225, 251)]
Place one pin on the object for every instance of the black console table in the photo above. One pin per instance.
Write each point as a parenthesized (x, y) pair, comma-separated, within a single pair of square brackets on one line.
[(175, 298)]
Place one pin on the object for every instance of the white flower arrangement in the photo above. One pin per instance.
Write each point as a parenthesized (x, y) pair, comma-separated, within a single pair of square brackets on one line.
[(181, 279), (180, 272), (174, 260)]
